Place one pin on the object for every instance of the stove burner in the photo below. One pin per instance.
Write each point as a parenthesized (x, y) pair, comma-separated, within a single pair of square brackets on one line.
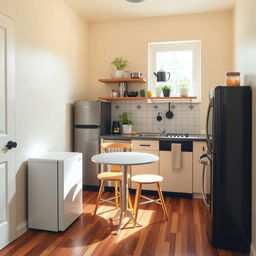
[(177, 135)]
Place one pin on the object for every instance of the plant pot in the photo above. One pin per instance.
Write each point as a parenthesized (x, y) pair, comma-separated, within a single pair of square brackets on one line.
[(119, 74), (126, 128), (183, 92), (167, 93)]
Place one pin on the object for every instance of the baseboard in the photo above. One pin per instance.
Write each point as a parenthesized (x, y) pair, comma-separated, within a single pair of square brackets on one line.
[(21, 228), (197, 196), (253, 251)]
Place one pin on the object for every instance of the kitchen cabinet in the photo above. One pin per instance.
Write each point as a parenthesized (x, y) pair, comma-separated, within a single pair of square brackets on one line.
[(179, 181), (145, 146), (199, 148)]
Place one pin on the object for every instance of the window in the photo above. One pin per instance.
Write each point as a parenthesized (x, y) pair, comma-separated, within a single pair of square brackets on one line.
[(182, 60)]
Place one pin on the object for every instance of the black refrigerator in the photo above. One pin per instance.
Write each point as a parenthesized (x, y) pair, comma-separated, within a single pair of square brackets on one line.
[(228, 179)]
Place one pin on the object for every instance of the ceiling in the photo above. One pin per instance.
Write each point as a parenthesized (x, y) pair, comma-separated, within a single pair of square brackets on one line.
[(103, 10)]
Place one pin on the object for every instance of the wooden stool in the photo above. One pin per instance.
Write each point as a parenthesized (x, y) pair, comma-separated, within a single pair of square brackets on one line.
[(148, 179), (114, 175)]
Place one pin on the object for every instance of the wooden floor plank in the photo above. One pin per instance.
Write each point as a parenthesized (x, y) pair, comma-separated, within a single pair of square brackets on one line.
[(184, 234)]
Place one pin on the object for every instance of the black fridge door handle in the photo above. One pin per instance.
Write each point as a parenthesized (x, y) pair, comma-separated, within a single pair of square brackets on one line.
[(203, 191), (207, 122)]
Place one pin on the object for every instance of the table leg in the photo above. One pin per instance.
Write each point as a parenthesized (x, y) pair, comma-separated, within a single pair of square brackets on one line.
[(125, 212)]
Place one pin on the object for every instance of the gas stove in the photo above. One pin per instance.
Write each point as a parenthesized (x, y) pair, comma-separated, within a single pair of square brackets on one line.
[(176, 135)]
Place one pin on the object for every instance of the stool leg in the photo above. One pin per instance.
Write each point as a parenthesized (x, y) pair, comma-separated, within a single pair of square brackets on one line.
[(136, 203), (116, 193), (162, 200), (120, 193), (130, 202), (99, 196)]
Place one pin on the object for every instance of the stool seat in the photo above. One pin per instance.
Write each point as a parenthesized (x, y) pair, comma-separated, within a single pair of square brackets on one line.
[(147, 178), (111, 176)]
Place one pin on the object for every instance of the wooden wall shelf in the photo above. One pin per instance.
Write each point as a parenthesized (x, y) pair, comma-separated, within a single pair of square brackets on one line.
[(120, 80), (148, 98)]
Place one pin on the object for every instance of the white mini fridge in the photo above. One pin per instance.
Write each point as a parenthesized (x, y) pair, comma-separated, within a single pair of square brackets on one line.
[(54, 190)]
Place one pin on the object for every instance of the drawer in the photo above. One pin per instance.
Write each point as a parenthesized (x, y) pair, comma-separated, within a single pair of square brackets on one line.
[(145, 144)]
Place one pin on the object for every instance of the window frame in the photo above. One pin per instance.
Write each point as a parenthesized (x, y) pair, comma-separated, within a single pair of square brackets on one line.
[(194, 45)]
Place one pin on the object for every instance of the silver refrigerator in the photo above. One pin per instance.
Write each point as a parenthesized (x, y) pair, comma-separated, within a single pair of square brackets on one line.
[(91, 119)]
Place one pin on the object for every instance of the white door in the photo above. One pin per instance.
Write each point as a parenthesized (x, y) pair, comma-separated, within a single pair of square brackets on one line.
[(7, 133)]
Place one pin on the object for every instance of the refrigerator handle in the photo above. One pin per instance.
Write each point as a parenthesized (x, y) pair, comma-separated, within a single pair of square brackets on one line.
[(207, 121), (203, 192)]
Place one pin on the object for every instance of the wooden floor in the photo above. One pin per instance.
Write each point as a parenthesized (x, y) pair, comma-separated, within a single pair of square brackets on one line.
[(183, 235)]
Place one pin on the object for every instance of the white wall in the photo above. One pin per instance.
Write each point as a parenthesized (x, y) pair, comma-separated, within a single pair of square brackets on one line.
[(245, 62), (51, 72), (130, 38)]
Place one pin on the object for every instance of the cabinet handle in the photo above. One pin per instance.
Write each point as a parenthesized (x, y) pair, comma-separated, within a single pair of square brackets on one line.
[(145, 145), (203, 148)]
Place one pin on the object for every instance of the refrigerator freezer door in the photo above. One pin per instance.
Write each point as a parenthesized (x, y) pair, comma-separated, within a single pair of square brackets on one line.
[(86, 141), (87, 113), (70, 190)]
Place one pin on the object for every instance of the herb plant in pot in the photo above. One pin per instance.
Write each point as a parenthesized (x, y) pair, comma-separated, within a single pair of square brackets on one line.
[(126, 123), (184, 84), (166, 90), (120, 64)]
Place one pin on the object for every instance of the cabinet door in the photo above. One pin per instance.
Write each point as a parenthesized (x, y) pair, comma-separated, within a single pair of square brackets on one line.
[(145, 169), (199, 148), (179, 181)]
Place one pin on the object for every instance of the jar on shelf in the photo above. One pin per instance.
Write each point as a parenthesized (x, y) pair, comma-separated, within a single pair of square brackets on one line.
[(232, 78)]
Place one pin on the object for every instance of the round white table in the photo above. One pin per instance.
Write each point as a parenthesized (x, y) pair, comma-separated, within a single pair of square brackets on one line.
[(124, 159)]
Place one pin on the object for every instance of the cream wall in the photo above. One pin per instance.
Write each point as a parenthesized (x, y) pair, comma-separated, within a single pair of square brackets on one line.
[(51, 72), (130, 39), (245, 62)]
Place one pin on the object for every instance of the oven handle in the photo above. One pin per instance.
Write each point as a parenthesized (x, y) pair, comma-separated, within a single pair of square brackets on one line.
[(203, 192)]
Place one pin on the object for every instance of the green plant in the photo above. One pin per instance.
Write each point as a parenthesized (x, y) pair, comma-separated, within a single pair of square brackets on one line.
[(124, 118), (120, 63), (142, 93), (184, 83), (166, 87)]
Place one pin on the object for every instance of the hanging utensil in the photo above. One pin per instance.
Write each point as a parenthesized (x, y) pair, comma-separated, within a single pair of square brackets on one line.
[(159, 117), (169, 113)]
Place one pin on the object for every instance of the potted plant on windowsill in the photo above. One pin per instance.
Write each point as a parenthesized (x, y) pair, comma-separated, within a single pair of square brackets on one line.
[(120, 64), (166, 90), (184, 84), (126, 123)]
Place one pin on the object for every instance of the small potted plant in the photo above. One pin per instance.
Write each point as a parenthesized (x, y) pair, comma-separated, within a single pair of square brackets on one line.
[(142, 93), (184, 84), (120, 64), (126, 123), (166, 90)]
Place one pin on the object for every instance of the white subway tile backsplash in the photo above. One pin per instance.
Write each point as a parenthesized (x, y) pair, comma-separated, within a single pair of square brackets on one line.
[(185, 120)]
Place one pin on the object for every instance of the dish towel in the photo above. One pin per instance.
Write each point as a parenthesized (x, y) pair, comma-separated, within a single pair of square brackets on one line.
[(176, 156)]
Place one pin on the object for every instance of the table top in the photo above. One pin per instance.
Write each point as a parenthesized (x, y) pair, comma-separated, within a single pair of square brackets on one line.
[(125, 158)]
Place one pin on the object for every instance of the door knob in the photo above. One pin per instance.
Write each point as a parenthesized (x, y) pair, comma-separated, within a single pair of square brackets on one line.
[(11, 144)]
